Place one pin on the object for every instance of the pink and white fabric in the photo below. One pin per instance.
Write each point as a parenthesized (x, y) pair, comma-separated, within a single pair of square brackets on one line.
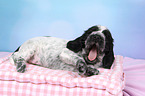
[(40, 81)]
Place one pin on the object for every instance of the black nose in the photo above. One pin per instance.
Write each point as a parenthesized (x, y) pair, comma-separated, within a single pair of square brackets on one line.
[(95, 37)]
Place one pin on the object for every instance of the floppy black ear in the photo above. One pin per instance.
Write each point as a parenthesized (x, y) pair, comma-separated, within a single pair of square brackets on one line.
[(75, 45), (108, 59), (79, 43)]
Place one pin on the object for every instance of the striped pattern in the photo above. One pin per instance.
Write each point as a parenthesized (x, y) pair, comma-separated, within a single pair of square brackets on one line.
[(40, 81)]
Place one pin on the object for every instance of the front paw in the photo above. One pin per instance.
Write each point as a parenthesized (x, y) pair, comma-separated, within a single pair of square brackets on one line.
[(81, 67), (91, 71)]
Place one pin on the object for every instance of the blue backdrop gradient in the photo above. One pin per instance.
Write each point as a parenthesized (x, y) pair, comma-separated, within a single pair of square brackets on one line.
[(24, 19)]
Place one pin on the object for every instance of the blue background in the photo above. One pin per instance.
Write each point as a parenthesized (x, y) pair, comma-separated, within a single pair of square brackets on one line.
[(21, 20)]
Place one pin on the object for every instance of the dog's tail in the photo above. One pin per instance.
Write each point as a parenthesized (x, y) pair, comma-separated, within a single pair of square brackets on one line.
[(17, 49), (11, 59)]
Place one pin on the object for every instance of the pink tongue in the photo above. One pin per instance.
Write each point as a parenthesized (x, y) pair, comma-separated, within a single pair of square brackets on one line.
[(92, 54)]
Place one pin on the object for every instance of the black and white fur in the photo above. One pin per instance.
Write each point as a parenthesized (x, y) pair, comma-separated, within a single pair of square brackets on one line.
[(55, 53)]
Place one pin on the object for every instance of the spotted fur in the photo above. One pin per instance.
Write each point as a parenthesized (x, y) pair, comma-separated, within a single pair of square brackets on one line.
[(60, 54)]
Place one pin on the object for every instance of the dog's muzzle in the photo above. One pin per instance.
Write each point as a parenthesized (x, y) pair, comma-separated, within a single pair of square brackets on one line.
[(92, 53), (93, 48)]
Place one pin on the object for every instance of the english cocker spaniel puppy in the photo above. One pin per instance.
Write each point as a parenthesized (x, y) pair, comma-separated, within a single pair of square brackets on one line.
[(84, 55)]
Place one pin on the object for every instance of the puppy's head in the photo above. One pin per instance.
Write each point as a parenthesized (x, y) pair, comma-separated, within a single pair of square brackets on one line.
[(94, 44)]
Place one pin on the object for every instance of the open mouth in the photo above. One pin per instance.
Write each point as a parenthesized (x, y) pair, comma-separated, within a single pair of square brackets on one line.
[(92, 53)]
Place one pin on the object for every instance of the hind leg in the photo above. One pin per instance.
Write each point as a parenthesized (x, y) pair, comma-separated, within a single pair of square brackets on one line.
[(20, 63), (20, 58)]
